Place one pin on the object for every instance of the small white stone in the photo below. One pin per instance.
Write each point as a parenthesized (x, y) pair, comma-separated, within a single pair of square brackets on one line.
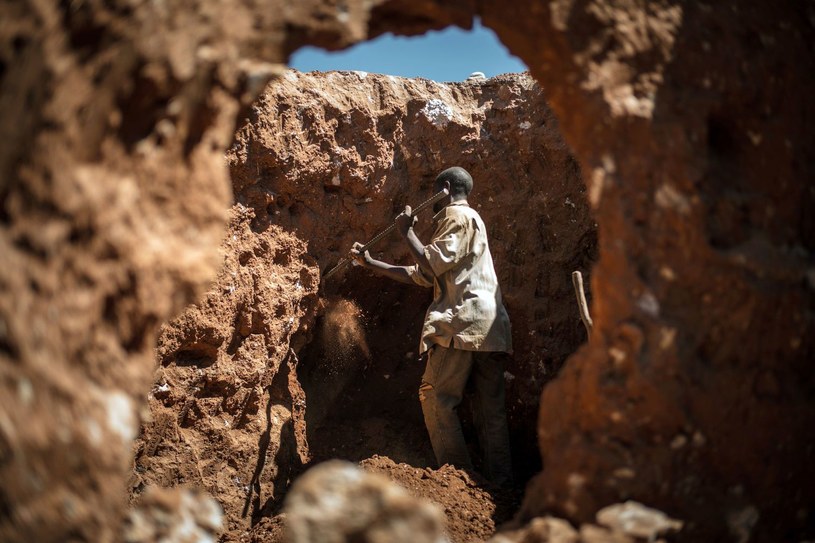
[(25, 391), (667, 273), (121, 419), (649, 304), (94, 432), (666, 338), (616, 354), (526, 125), (438, 113), (668, 197)]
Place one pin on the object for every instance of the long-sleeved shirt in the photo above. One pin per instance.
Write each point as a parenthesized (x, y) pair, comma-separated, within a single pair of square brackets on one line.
[(467, 311)]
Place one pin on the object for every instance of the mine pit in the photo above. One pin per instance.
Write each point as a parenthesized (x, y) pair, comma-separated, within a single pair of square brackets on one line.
[(275, 371), (689, 409)]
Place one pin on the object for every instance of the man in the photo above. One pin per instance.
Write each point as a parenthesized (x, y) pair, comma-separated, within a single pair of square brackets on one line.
[(466, 328)]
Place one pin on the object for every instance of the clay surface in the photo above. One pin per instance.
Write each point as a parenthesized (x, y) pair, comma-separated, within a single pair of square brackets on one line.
[(227, 409), (227, 413), (113, 202), (690, 121), (334, 157)]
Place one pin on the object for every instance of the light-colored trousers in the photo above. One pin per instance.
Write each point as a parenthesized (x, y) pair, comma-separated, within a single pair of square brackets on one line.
[(446, 375)]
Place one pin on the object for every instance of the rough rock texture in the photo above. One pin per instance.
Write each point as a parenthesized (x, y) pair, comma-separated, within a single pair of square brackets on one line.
[(691, 124), (334, 157), (628, 522), (337, 502), (226, 409), (691, 121), (113, 197), (173, 515)]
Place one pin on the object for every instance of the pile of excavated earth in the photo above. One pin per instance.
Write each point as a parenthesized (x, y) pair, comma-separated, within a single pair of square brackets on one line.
[(174, 366)]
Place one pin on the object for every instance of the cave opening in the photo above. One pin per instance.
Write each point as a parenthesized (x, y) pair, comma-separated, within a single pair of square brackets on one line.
[(323, 160), (350, 151)]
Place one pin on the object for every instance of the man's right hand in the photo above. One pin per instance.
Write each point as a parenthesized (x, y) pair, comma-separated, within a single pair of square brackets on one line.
[(359, 259)]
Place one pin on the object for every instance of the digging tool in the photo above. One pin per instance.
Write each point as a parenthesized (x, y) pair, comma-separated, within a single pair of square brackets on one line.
[(577, 282), (418, 209)]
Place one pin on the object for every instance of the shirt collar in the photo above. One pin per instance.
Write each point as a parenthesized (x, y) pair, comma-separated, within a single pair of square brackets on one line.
[(459, 203)]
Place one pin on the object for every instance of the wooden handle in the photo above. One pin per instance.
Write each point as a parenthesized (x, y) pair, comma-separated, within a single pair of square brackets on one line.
[(377, 238), (577, 281)]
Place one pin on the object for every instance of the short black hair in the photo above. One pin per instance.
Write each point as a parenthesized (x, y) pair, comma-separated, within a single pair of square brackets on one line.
[(461, 182)]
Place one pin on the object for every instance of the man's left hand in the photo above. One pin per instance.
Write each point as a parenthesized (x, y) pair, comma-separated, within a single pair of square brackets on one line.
[(405, 221)]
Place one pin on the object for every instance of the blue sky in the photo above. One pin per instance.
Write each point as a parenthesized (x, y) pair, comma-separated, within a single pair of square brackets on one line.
[(446, 55)]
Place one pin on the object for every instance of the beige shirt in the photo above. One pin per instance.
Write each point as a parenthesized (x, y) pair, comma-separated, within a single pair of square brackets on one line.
[(467, 311)]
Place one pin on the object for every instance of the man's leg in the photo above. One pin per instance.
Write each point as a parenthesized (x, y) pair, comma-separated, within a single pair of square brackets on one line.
[(491, 416), (441, 391)]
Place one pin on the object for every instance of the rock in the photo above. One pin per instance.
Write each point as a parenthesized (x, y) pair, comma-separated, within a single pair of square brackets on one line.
[(336, 502), (177, 515), (540, 530), (635, 520)]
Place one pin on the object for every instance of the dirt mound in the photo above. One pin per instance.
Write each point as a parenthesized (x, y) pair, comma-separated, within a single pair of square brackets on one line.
[(473, 508)]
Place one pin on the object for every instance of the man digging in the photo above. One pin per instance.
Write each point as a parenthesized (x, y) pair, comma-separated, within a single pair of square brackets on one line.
[(466, 328)]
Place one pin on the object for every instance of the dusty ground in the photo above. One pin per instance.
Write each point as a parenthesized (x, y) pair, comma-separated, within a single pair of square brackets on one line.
[(473, 509)]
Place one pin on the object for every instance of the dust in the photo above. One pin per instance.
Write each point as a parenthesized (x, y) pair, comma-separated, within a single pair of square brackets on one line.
[(342, 334)]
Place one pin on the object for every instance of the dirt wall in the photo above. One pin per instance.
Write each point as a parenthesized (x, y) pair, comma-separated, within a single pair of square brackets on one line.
[(109, 111), (326, 159), (690, 120), (227, 413), (334, 157)]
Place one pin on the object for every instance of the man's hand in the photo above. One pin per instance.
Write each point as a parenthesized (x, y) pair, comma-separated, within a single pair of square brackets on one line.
[(405, 221), (359, 259)]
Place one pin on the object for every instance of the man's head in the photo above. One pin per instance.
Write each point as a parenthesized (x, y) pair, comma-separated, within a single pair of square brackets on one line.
[(456, 180)]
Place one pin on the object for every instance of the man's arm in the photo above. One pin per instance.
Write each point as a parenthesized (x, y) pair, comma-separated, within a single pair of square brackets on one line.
[(404, 223), (397, 273)]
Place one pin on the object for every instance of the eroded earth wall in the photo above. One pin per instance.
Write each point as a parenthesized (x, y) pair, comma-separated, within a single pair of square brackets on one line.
[(324, 160), (227, 413), (334, 157), (690, 120), (691, 123), (114, 117)]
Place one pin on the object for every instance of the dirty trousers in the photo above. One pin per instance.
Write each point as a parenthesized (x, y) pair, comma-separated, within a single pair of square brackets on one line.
[(446, 375)]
